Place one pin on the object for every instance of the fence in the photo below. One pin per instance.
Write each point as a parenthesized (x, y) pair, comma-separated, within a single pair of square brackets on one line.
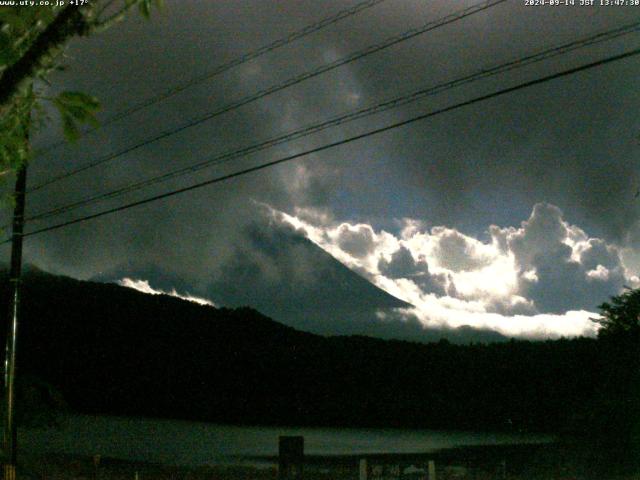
[(294, 465)]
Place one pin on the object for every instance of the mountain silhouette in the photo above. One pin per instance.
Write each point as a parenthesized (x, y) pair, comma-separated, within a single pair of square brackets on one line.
[(113, 350), (287, 277)]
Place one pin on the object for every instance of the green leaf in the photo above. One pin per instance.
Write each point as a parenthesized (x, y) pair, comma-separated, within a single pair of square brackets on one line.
[(79, 99), (8, 54), (46, 15), (10, 17), (145, 8), (74, 108), (70, 128)]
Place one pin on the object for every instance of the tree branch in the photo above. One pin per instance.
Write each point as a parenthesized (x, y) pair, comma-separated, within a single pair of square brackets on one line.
[(70, 22)]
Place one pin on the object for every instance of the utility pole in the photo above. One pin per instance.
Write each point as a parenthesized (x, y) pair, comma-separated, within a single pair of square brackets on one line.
[(10, 433)]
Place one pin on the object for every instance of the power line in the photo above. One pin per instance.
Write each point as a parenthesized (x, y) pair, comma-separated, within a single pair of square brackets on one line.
[(252, 55), (338, 143), (454, 17), (358, 114)]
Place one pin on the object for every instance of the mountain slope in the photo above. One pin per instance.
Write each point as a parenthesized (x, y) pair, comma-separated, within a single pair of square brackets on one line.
[(110, 349), (287, 277)]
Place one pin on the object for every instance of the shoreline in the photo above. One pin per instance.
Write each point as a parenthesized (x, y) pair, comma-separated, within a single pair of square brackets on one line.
[(517, 462)]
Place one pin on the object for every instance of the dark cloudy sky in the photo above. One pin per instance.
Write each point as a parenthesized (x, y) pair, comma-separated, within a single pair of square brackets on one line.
[(516, 214)]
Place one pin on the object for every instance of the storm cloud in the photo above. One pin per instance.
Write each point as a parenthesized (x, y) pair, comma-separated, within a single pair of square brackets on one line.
[(411, 210), (543, 278)]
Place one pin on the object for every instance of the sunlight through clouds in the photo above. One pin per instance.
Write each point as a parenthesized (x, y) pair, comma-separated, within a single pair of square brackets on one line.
[(542, 279), (144, 287)]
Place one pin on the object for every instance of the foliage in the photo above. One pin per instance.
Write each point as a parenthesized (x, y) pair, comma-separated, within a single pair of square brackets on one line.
[(614, 413), (621, 316), (31, 45), (14, 126), (74, 108)]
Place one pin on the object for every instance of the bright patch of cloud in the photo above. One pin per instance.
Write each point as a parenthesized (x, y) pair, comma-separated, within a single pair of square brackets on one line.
[(541, 279), (144, 287)]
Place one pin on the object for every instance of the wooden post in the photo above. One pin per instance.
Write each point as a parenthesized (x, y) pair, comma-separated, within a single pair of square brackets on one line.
[(96, 465), (363, 469), (291, 458), (432, 470), (9, 472)]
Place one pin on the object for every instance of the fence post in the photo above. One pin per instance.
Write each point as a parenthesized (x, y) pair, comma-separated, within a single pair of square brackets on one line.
[(432, 470), (291, 458), (363, 469)]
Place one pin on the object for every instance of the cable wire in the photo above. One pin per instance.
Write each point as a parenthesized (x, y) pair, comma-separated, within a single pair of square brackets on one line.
[(454, 17), (342, 119), (361, 136), (281, 42)]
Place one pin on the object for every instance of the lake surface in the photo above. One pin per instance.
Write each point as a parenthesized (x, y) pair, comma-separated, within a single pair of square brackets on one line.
[(190, 443)]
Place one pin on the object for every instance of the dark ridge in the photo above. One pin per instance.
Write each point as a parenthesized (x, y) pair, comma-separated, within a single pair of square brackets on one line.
[(113, 350)]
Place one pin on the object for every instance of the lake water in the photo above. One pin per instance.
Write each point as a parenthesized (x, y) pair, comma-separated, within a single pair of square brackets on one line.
[(190, 443)]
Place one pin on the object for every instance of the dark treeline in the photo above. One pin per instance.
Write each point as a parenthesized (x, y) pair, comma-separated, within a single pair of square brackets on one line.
[(112, 350)]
